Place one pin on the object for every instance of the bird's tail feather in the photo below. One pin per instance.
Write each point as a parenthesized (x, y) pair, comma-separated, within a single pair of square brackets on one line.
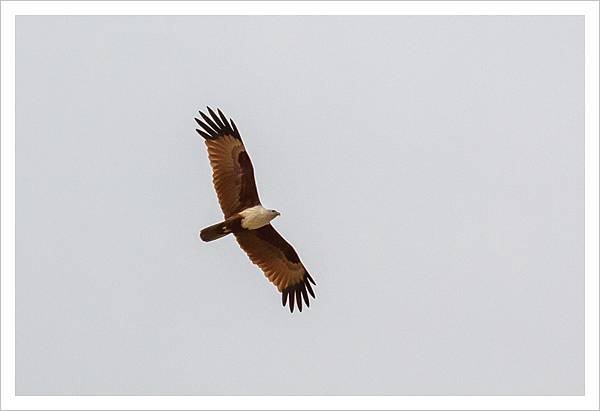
[(214, 232)]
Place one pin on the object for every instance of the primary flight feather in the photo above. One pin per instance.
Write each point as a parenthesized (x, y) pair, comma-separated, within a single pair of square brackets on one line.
[(245, 217)]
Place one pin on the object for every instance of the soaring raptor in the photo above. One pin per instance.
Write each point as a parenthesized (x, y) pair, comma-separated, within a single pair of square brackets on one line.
[(245, 217)]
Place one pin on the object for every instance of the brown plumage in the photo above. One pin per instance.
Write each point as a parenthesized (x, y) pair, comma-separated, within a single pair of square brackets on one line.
[(233, 179), (233, 175)]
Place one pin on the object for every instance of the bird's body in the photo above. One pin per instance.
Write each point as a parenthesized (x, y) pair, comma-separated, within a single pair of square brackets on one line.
[(250, 218), (245, 217)]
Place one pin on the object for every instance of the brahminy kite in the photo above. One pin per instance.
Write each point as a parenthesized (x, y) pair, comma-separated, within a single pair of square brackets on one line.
[(245, 217)]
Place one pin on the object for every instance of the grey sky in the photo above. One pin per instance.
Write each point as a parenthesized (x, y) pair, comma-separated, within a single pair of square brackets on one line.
[(429, 171)]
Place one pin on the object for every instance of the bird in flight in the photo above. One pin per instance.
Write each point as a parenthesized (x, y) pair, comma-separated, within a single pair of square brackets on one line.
[(245, 217)]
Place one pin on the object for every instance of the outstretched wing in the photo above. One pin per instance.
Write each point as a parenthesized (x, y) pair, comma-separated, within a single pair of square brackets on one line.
[(280, 263), (233, 175)]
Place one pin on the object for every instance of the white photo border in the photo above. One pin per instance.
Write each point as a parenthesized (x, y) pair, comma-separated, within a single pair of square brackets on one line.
[(9, 10)]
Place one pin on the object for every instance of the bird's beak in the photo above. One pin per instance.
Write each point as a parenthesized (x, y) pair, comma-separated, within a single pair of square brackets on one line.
[(277, 213)]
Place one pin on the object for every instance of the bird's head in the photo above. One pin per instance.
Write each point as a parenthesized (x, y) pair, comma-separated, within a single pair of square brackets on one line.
[(274, 213)]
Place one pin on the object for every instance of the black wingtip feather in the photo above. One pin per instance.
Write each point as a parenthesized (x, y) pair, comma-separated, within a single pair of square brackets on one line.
[(216, 126), (298, 293), (205, 135), (305, 296), (292, 295), (209, 121), (215, 117), (205, 127), (200, 123), (235, 130), (223, 118), (299, 299), (310, 290)]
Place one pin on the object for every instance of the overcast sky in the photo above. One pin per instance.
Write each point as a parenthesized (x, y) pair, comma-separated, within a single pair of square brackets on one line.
[(429, 172)]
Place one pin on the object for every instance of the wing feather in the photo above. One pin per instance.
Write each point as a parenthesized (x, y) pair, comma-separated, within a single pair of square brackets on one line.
[(233, 174), (280, 263)]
